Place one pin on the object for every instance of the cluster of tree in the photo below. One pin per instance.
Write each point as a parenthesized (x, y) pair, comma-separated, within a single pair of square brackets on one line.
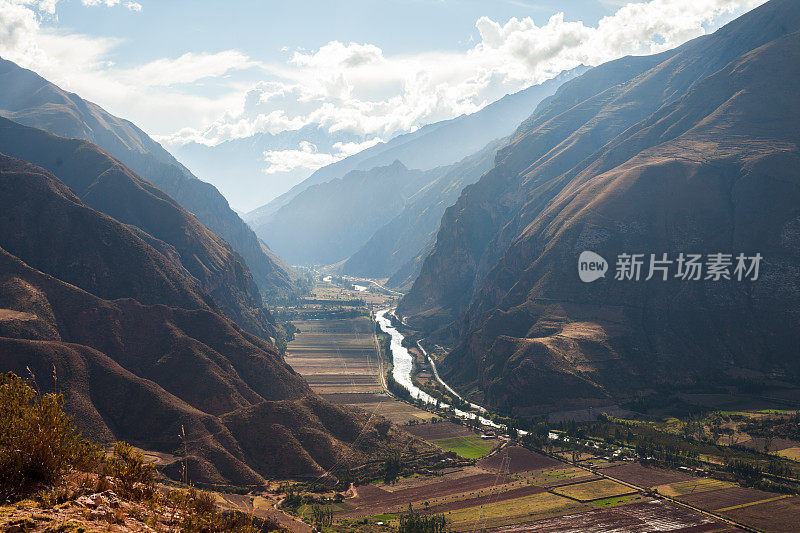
[(284, 335), (397, 389), (752, 474), (392, 466), (321, 516), (413, 522), (647, 450), (770, 427)]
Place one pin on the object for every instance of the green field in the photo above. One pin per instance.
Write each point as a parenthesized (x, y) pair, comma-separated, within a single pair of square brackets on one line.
[(468, 447)]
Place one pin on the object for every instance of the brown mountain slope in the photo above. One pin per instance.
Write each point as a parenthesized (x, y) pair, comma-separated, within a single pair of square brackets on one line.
[(45, 224), (104, 184), (584, 115), (29, 99), (139, 372), (714, 171)]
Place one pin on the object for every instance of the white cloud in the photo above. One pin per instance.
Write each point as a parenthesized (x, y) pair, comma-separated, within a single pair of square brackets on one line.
[(356, 87), (145, 94), (133, 6), (308, 157), (343, 87), (189, 68)]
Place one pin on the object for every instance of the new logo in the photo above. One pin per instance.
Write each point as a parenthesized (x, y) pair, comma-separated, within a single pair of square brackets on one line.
[(591, 266)]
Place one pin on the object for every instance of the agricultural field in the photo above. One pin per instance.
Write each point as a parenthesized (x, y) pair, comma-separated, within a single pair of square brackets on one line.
[(638, 517), (777, 516), (338, 358), (693, 486), (334, 289), (455, 438), (644, 476), (593, 490), (517, 486)]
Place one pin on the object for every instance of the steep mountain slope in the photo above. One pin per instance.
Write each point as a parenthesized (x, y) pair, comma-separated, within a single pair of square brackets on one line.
[(578, 120), (327, 222), (433, 145), (140, 367), (404, 237), (31, 100), (697, 154), (102, 183)]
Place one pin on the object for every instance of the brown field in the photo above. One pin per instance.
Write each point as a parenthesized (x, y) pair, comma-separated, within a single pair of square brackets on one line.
[(778, 516), (373, 500), (645, 476), (492, 496), (499, 513), (441, 430), (338, 358), (385, 405), (557, 477), (635, 518), (730, 497), (593, 490), (519, 460)]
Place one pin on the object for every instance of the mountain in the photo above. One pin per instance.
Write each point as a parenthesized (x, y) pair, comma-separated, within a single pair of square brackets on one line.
[(327, 222), (689, 151), (29, 99), (104, 184), (238, 167), (93, 308), (397, 244), (434, 145)]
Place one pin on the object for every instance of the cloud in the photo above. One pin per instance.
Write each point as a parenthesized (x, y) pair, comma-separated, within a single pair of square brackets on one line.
[(355, 87), (308, 157), (189, 68), (148, 94), (133, 6), (352, 88)]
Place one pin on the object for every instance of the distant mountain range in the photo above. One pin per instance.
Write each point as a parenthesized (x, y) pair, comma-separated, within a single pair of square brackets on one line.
[(434, 145), (238, 167), (29, 99), (694, 150), (384, 212)]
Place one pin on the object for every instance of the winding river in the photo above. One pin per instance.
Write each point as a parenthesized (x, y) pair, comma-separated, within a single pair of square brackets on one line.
[(402, 364)]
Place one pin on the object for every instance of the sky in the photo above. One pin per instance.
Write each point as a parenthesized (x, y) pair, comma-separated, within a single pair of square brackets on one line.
[(212, 71)]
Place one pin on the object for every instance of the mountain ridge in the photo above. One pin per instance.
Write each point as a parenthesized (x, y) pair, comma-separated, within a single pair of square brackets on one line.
[(29, 99)]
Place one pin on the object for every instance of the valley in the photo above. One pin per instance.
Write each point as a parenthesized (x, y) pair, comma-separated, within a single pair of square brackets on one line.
[(359, 311), (570, 478)]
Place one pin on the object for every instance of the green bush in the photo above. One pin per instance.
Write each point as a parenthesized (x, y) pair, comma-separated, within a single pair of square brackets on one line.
[(38, 441), (137, 479)]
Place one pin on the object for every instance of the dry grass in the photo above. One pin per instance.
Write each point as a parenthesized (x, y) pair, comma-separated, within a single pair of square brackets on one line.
[(593, 490), (693, 486), (514, 511)]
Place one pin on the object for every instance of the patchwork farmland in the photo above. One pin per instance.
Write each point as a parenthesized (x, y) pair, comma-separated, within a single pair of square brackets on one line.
[(517, 489), (339, 359)]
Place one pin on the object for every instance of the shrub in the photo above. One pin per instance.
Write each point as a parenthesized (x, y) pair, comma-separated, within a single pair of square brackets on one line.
[(136, 479), (38, 441)]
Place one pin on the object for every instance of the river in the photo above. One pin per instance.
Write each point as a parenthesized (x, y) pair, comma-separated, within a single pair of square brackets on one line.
[(402, 364)]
